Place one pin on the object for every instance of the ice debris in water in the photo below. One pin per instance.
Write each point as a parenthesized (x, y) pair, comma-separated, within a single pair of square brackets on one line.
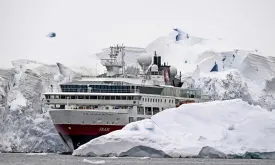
[(94, 162)]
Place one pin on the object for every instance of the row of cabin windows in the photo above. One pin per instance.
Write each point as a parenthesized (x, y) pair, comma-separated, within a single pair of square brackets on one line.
[(92, 97), (157, 100), (63, 106), (148, 110)]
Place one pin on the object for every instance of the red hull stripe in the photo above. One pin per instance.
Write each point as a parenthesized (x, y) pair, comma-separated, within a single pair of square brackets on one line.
[(78, 129)]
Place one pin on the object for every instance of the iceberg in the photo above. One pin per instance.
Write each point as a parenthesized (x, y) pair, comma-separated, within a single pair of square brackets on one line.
[(227, 127)]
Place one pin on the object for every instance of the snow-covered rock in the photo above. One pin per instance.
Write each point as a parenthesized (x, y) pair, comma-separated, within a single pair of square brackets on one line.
[(230, 127)]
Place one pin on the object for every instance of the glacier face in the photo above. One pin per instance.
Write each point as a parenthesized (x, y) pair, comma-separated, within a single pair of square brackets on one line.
[(25, 124)]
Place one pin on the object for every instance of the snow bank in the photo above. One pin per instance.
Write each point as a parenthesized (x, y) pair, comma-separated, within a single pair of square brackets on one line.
[(231, 127)]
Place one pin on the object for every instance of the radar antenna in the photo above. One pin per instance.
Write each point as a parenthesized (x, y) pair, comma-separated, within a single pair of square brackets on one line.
[(113, 64)]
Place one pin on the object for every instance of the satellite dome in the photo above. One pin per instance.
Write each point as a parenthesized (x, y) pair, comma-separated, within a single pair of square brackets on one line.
[(173, 71), (144, 60), (154, 68)]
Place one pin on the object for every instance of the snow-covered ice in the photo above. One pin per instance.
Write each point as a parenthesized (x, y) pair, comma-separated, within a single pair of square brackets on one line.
[(231, 127)]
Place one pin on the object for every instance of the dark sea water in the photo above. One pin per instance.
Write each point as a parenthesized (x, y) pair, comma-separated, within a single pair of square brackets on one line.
[(56, 159)]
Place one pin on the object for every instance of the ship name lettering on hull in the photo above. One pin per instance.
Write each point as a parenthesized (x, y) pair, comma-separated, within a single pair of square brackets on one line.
[(104, 129)]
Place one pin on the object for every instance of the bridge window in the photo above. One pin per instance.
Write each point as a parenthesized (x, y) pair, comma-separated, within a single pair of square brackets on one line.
[(113, 97), (80, 97), (123, 97), (87, 97), (72, 97), (118, 98), (107, 97)]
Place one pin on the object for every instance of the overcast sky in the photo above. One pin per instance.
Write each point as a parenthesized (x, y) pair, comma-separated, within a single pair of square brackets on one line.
[(84, 27)]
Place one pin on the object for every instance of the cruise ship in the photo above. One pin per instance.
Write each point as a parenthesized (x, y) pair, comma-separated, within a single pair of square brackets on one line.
[(88, 107)]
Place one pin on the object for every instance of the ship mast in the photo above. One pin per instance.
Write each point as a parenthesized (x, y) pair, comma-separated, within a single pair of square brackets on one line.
[(122, 50), (112, 64)]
